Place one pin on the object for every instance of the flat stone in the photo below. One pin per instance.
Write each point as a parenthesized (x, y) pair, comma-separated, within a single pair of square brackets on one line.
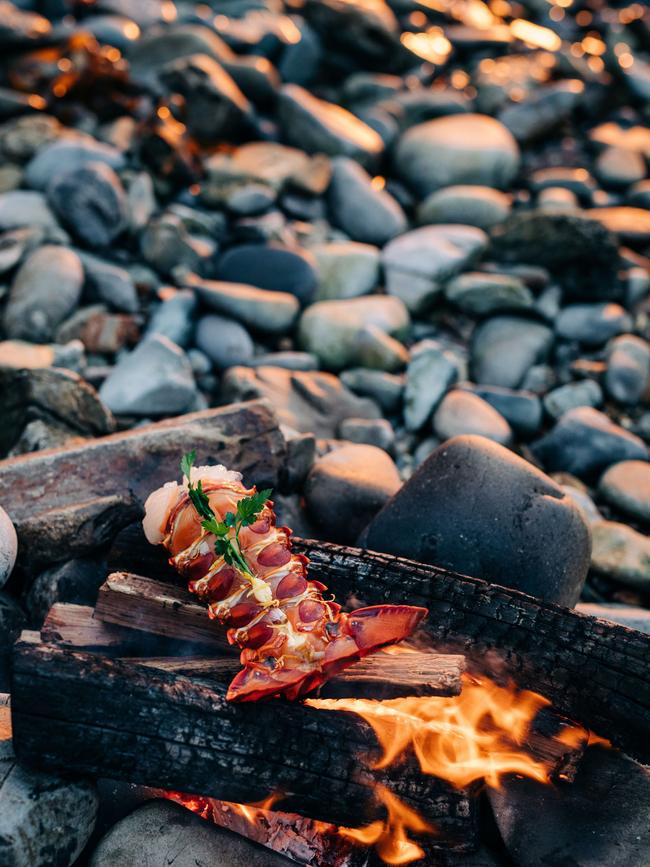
[(315, 125), (521, 409), (347, 487), (45, 290), (592, 324), (626, 485), (109, 283), (585, 442), (66, 154), (224, 341), (620, 167), (260, 309), (98, 330), (76, 581), (330, 329), (467, 205), (174, 318), (504, 348), (585, 392), (461, 412), (628, 368), (345, 269), (546, 550), (543, 110), (378, 350), (480, 294), (417, 263), (363, 212), (307, 401), (166, 245), (621, 553), (431, 371), (155, 379), (8, 547), (25, 208), (373, 432), (457, 149), (274, 268), (287, 359), (385, 389)]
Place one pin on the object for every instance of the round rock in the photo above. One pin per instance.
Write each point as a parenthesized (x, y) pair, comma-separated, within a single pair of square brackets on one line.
[(91, 202), (480, 294), (628, 368), (626, 485), (592, 324), (506, 347), (457, 149), (345, 269), (621, 553), (461, 412), (347, 487), (468, 205), (521, 530), (8, 546), (224, 341), (273, 268)]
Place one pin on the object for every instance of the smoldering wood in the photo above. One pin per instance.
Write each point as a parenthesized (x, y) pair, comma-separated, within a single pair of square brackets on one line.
[(127, 721), (595, 672), (69, 501)]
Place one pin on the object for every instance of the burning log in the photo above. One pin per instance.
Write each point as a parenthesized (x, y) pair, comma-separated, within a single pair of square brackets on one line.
[(127, 721), (595, 672), (77, 510)]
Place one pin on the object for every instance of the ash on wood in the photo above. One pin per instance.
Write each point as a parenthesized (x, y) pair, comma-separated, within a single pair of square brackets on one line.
[(127, 721), (593, 671), (64, 501)]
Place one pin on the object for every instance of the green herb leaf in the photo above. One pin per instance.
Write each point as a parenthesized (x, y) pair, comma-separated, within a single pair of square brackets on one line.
[(249, 507), (200, 500), (187, 462), (218, 528)]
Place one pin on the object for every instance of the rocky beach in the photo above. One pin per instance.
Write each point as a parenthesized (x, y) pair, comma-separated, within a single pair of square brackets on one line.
[(416, 234)]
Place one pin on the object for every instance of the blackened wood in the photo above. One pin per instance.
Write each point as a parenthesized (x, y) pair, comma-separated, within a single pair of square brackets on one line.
[(44, 492), (595, 672), (80, 712)]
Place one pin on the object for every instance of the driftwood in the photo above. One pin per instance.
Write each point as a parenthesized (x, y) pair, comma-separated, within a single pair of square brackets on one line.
[(92, 715), (597, 673), (69, 501)]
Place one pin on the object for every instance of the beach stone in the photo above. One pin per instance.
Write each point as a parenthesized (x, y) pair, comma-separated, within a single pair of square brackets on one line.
[(577, 180), (385, 389), (160, 830), (521, 409), (543, 110), (592, 324), (260, 309), (307, 401), (44, 291), (68, 154), (8, 546), (98, 330), (317, 126), (288, 359), (346, 488), (631, 225), (166, 244), (457, 149), (631, 616), (378, 350), (480, 294), (462, 412), (76, 581), (621, 553), (504, 348), (174, 318), (600, 817), (467, 205), (224, 341), (431, 371), (585, 442), (330, 329), (12, 621), (109, 283), (373, 432), (586, 392), (518, 516), (580, 253), (626, 485), (15, 244), (346, 269), (628, 368), (25, 208), (91, 202), (620, 167), (274, 268), (155, 379), (417, 263), (364, 213), (554, 199)]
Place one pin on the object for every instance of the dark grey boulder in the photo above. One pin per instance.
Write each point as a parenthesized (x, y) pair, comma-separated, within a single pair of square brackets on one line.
[(476, 508), (275, 268)]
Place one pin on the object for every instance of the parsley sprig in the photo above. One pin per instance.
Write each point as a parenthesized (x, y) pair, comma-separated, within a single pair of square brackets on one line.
[(226, 532)]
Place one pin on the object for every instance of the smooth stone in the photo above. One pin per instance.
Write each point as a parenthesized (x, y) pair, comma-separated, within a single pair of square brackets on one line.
[(628, 368), (521, 409), (635, 137), (347, 487), (626, 485), (160, 830), (317, 126), (301, 454), (578, 181), (555, 199), (621, 553), (380, 351), (260, 309), (109, 284), (330, 329), (373, 432), (574, 489), (65, 155), (631, 225), (585, 442), (467, 205), (346, 269), (457, 149), (224, 341), (543, 110), (385, 389), (639, 195), (461, 412), (601, 817), (431, 371), (116, 30), (625, 615), (586, 392), (619, 167), (307, 401), (12, 621), (274, 268), (480, 294), (363, 212), (141, 201), (91, 203), (288, 359), (155, 379), (517, 516), (98, 330), (504, 348), (579, 252), (76, 581), (25, 208), (174, 318), (249, 199), (166, 244), (592, 324), (15, 244), (417, 263), (44, 291), (8, 546)]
